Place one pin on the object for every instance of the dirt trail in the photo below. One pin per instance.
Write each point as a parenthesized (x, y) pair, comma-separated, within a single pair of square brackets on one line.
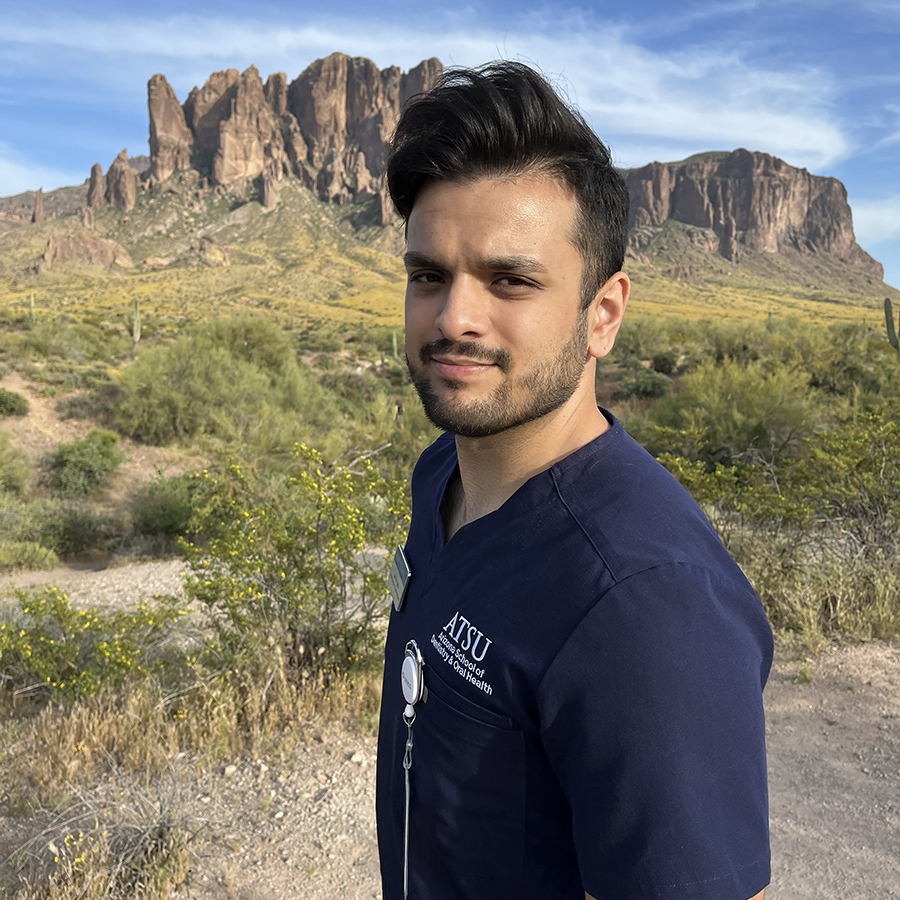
[(304, 826), (834, 776)]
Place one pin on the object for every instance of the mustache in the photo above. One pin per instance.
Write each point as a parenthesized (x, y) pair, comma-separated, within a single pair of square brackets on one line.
[(497, 356)]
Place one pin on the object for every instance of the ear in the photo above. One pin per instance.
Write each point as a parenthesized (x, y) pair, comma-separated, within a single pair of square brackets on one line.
[(605, 314)]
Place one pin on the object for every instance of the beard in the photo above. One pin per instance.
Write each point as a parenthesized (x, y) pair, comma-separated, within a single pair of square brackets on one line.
[(519, 399)]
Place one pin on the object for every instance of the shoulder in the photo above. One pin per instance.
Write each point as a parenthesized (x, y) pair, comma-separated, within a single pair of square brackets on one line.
[(667, 624), (632, 511)]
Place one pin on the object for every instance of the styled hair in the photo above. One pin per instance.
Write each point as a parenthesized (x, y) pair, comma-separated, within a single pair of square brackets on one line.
[(501, 120)]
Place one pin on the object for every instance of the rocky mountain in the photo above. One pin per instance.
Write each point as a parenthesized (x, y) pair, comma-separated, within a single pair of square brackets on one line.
[(239, 138), (750, 201), (328, 127)]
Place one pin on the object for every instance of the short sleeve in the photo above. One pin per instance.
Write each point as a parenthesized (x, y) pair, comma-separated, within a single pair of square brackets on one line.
[(652, 718)]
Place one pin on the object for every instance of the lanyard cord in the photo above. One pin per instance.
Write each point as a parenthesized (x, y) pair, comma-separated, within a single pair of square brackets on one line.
[(407, 764)]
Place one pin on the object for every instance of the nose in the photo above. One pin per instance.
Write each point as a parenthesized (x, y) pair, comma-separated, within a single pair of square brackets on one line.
[(464, 311)]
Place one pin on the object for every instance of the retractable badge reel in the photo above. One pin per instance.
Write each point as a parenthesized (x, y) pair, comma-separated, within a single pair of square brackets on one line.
[(412, 680)]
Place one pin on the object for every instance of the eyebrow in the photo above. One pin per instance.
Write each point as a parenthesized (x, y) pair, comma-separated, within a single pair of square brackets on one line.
[(516, 263)]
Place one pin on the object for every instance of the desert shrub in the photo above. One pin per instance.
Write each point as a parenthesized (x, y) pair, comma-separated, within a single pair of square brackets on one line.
[(26, 555), (665, 362), (730, 411), (219, 379), (12, 404), (15, 466), (87, 405), (850, 478), (817, 534), (80, 467), (641, 338), (68, 527), (295, 559), (641, 383), (166, 506), (77, 341), (320, 339), (58, 650)]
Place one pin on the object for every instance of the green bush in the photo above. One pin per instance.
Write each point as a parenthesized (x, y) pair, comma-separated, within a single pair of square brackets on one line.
[(68, 527), (166, 506), (665, 362), (296, 559), (80, 467), (641, 383), (12, 404), (89, 405), (221, 379), (15, 466), (26, 555), (76, 341), (818, 534), (729, 411), (60, 651)]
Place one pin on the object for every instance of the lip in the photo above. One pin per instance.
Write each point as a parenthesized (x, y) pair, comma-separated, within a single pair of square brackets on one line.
[(459, 368)]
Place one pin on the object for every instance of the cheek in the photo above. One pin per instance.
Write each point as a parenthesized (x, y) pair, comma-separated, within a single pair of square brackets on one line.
[(533, 330)]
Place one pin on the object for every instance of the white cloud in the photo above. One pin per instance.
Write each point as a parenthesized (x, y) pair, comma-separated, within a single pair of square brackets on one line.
[(876, 220), (634, 97), (18, 175)]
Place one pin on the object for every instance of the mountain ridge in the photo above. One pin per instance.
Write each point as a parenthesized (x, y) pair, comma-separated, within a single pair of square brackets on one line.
[(226, 162)]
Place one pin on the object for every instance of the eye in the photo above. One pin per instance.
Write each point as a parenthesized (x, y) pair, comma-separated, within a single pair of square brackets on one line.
[(513, 281), (424, 277)]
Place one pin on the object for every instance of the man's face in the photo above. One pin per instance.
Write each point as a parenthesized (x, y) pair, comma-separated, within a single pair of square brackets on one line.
[(495, 336)]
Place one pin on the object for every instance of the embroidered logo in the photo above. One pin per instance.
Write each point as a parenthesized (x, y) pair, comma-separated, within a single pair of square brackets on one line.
[(462, 646)]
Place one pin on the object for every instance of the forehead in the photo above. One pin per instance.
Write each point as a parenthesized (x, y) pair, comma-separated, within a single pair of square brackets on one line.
[(524, 214)]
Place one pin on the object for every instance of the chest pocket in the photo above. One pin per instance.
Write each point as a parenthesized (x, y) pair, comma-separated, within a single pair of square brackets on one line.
[(467, 810)]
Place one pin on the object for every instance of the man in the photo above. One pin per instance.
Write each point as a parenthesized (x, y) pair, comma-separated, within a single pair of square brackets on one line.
[(580, 712)]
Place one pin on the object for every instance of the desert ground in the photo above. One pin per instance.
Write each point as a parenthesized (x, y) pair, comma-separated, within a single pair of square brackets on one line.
[(303, 826)]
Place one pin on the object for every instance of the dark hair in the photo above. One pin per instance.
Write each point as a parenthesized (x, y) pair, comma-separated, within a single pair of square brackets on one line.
[(500, 120)]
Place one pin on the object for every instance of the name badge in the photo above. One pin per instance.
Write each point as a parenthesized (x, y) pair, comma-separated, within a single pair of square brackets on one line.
[(398, 579)]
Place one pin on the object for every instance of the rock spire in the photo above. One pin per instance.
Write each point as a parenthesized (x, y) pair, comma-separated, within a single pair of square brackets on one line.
[(38, 216), (171, 141), (121, 183), (95, 198)]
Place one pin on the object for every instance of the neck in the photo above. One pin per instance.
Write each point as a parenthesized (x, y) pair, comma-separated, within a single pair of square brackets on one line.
[(493, 468)]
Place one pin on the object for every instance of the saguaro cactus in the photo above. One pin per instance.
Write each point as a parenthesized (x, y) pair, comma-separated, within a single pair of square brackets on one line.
[(889, 321), (32, 315), (135, 326)]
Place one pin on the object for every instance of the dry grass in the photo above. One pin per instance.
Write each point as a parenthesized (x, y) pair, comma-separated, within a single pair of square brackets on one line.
[(121, 839), (103, 785), (820, 592)]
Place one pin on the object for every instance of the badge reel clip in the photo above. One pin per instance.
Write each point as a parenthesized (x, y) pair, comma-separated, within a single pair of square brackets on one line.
[(412, 680)]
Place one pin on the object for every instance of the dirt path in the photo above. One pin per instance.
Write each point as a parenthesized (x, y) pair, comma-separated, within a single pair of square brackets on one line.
[(304, 826), (90, 585), (834, 776), (834, 764)]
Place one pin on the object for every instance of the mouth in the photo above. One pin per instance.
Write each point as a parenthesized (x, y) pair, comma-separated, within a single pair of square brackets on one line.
[(458, 367), (462, 360)]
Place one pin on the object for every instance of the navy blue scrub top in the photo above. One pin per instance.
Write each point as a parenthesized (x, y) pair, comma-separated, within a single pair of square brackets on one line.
[(594, 666)]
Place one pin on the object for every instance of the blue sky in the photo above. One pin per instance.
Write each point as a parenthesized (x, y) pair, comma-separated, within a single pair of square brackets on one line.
[(816, 83)]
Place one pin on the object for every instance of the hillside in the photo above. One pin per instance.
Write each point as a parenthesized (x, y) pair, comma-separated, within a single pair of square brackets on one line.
[(201, 253), (198, 254)]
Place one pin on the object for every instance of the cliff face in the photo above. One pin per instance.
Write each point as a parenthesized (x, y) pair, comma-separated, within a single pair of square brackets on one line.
[(171, 141), (750, 200), (328, 127)]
